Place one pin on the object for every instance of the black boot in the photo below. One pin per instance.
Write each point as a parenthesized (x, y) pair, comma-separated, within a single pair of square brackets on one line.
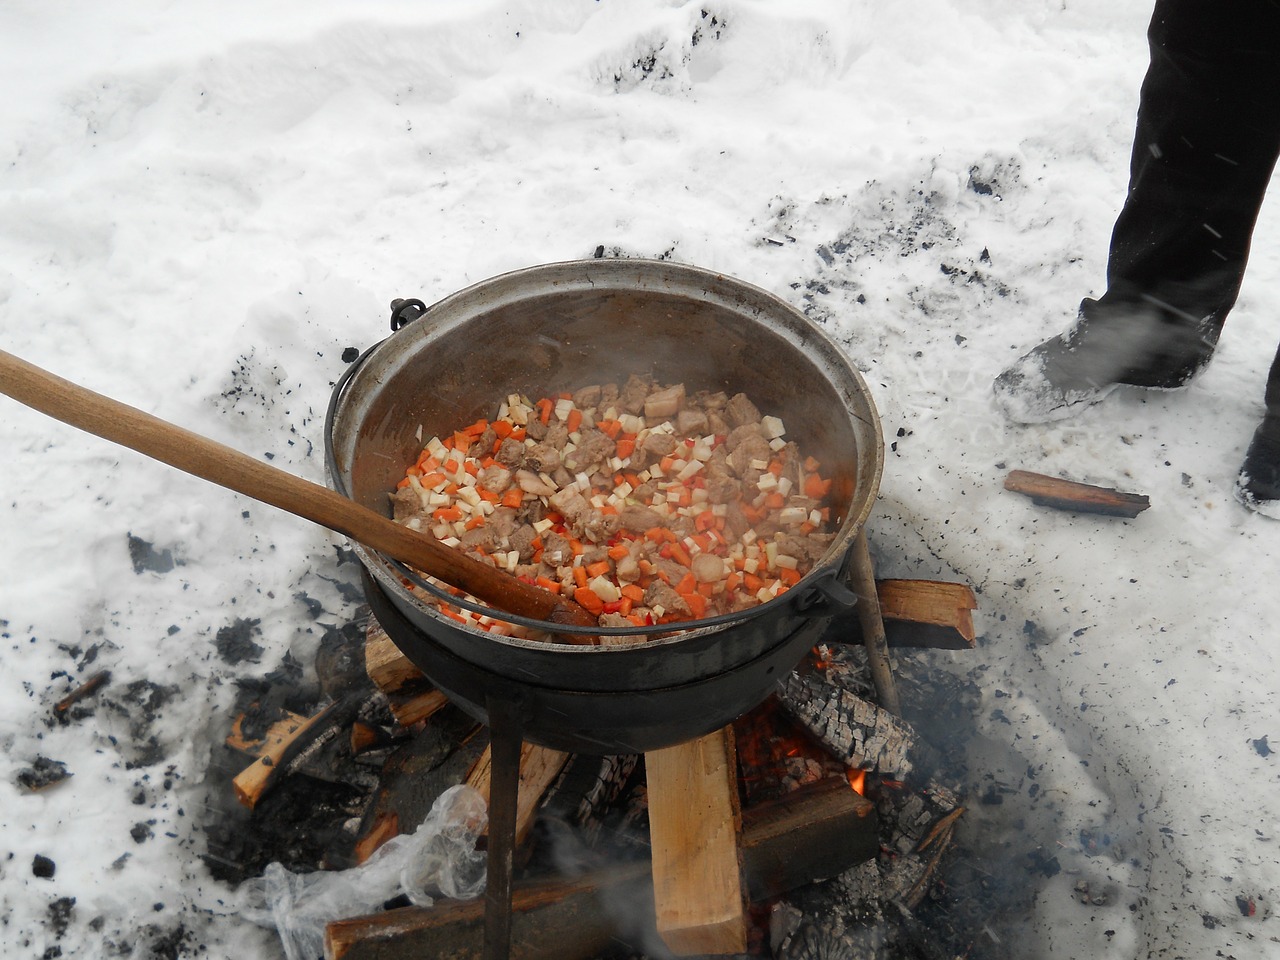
[(1258, 486)]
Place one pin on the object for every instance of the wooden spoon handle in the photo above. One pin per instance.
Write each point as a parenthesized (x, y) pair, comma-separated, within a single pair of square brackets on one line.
[(212, 461)]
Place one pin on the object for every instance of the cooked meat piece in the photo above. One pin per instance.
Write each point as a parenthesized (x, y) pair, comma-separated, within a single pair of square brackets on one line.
[(510, 453), (735, 521), (572, 505), (664, 403), (543, 457), (627, 569), (496, 478), (723, 489), (599, 528), (750, 449), (631, 400), (406, 504), (504, 520), (744, 432), (673, 570), (660, 594), (792, 465), (638, 519), (608, 395), (659, 445), (614, 620), (806, 549), (556, 549), (483, 537), (562, 477), (594, 554), (717, 424), (588, 397), (593, 448), (708, 401), (532, 509), (645, 492), (691, 422), (530, 482), (535, 429), (486, 441), (522, 540), (557, 434), (740, 410)]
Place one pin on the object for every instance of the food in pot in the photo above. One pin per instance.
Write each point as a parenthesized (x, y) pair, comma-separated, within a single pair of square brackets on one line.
[(644, 504)]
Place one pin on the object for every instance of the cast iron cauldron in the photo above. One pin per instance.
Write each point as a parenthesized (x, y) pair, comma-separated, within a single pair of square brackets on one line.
[(562, 326)]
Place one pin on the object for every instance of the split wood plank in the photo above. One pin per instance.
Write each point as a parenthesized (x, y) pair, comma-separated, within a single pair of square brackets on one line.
[(1071, 495), (812, 834), (539, 767), (927, 613), (694, 823)]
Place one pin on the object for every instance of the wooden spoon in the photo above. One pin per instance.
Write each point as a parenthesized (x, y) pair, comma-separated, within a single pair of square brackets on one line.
[(212, 461)]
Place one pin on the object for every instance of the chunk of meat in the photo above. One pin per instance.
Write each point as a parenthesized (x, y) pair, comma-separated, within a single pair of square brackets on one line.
[(406, 504), (664, 403), (633, 394), (510, 453), (660, 594), (593, 448), (751, 450), (638, 519), (531, 482), (740, 410)]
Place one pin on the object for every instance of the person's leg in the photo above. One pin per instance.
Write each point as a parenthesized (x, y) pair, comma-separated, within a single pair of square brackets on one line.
[(1206, 142), (1258, 485), (1207, 137)]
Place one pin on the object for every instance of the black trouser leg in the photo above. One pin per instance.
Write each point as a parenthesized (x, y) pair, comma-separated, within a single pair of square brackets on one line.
[(1207, 137)]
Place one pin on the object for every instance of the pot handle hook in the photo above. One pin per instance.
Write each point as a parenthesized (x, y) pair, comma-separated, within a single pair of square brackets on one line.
[(404, 312), (829, 596)]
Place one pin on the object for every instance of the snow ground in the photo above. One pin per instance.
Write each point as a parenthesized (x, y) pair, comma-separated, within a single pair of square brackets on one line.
[(202, 205)]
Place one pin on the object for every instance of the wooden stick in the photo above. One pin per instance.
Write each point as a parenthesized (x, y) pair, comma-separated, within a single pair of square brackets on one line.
[(861, 574), (1071, 495), (693, 828), (256, 779), (927, 613), (86, 689), (212, 461)]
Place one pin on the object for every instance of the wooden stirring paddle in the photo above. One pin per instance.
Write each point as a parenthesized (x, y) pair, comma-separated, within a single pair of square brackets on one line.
[(217, 463)]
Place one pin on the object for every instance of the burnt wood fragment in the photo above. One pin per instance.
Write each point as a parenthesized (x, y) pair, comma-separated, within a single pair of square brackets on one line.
[(1071, 495)]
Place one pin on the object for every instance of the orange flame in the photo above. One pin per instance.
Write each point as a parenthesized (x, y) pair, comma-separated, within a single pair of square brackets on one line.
[(858, 780)]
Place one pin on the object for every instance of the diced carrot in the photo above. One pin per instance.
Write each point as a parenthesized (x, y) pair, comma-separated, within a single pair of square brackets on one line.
[(707, 589), (687, 584), (789, 575), (574, 420), (752, 582), (545, 407), (697, 604), (815, 487), (450, 513), (502, 428), (518, 434), (513, 498), (811, 464), (705, 520), (733, 581), (476, 521), (477, 428), (580, 576), (588, 600), (576, 546), (679, 554), (626, 447), (775, 467), (610, 428), (666, 463), (546, 583), (775, 501), (402, 484), (487, 495), (624, 605), (618, 551), (598, 569), (633, 592)]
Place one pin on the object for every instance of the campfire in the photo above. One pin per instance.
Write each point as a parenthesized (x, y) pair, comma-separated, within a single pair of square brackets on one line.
[(725, 845)]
